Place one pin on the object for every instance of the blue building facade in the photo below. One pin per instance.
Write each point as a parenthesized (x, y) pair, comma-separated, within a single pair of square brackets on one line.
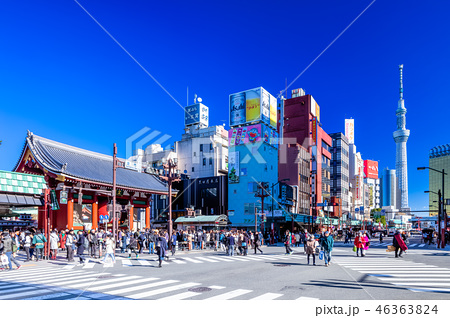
[(258, 162)]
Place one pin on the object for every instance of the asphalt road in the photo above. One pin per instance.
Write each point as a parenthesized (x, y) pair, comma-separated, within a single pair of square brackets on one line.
[(423, 273)]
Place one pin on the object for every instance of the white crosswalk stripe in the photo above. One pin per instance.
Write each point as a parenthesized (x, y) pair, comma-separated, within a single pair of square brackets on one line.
[(192, 260), (267, 296), (181, 260), (207, 259), (412, 245), (421, 245), (230, 295), (181, 296), (85, 284), (126, 262), (162, 290), (417, 277), (135, 288)]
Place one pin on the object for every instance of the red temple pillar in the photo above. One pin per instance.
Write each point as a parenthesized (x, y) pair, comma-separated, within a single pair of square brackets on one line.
[(70, 214), (131, 218), (95, 214), (147, 217)]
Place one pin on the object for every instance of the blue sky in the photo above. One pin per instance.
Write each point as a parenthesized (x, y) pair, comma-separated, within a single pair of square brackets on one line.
[(63, 78)]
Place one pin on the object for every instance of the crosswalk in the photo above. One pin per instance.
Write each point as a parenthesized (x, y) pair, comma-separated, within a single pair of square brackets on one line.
[(417, 277), (41, 283), (179, 260)]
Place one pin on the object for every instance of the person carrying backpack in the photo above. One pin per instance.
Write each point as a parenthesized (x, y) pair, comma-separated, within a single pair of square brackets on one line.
[(9, 249), (132, 246), (81, 246), (38, 241)]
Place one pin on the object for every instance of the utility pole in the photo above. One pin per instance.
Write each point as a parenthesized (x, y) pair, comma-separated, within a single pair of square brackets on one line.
[(172, 176), (263, 186)]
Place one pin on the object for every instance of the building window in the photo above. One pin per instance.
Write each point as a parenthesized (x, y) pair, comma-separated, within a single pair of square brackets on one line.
[(204, 161), (210, 161), (210, 146), (201, 147), (192, 169), (194, 154)]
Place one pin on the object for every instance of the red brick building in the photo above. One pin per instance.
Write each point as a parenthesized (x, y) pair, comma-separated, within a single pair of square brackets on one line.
[(302, 130)]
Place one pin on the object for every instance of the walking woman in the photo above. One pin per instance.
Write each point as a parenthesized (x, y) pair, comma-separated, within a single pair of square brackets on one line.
[(257, 242), (161, 247), (360, 242), (311, 245), (132, 247), (54, 239), (399, 244), (110, 244), (288, 242)]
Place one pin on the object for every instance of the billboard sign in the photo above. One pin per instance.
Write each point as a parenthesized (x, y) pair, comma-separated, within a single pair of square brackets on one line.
[(371, 169), (254, 105), (273, 112), (357, 186), (233, 167), (237, 109), (252, 134), (350, 130), (196, 114), (314, 131), (265, 106)]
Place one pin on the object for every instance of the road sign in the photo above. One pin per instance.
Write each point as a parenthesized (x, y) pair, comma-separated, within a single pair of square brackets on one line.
[(322, 204), (356, 210), (361, 209)]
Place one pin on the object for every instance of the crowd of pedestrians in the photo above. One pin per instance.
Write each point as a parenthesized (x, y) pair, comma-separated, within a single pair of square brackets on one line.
[(102, 246)]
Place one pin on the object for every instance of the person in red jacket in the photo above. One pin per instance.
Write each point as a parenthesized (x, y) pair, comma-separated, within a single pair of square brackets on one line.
[(360, 243), (399, 244)]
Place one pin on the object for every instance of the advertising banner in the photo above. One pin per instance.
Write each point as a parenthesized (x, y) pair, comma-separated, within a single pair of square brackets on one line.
[(350, 130), (233, 167), (313, 107), (204, 115), (314, 131), (357, 186), (253, 104), (244, 135), (252, 134), (273, 112), (237, 109), (196, 114), (265, 106), (192, 114), (371, 169)]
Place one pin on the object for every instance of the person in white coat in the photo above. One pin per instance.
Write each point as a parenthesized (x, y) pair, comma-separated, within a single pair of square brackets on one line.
[(109, 244), (54, 239)]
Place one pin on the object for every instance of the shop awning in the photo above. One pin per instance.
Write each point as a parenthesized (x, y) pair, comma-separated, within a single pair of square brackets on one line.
[(19, 200), (204, 219)]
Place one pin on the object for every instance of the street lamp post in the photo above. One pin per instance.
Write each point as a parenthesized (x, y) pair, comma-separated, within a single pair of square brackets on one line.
[(263, 186), (172, 176), (273, 186), (442, 210)]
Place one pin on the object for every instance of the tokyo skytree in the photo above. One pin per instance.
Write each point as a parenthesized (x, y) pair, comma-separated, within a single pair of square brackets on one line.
[(401, 137)]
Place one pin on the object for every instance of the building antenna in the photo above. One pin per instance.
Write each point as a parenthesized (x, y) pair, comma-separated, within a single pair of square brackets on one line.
[(286, 88), (401, 81)]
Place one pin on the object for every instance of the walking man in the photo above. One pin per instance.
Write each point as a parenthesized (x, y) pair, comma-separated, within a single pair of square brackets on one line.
[(9, 248), (257, 242), (327, 245), (231, 243), (38, 241), (70, 245)]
